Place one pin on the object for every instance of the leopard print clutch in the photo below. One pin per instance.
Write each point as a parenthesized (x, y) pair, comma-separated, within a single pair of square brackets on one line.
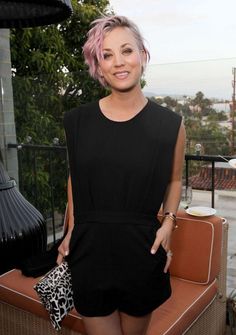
[(55, 292)]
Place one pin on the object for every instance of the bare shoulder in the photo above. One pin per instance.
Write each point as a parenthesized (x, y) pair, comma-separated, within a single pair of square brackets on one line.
[(181, 139), (182, 132)]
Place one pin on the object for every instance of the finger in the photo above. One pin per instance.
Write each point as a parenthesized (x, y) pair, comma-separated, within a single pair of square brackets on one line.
[(64, 252), (155, 247), (168, 261), (61, 256), (59, 259)]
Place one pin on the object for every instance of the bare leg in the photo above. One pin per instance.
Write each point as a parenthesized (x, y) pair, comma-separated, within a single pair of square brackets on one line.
[(132, 325), (103, 325)]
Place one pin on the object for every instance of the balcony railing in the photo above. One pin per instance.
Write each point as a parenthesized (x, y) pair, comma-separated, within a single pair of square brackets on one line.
[(43, 172), (212, 159)]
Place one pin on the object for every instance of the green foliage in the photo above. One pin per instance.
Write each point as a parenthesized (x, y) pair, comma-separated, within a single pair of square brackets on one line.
[(203, 104), (170, 102), (49, 74), (217, 116), (201, 123), (44, 176), (50, 77), (213, 137)]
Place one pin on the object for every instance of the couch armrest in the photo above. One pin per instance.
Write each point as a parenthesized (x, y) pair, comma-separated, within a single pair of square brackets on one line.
[(196, 246)]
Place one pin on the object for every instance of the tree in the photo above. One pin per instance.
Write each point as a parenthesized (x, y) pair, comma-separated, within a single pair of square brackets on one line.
[(50, 77), (170, 102), (207, 131), (202, 105), (217, 116), (49, 72)]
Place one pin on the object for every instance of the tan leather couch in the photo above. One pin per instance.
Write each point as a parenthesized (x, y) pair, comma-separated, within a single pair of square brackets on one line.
[(197, 305)]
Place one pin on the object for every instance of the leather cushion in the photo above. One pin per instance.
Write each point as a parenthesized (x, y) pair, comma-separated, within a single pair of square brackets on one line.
[(172, 318)]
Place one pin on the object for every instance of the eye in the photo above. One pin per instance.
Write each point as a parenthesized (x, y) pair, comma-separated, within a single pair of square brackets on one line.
[(106, 55), (127, 51)]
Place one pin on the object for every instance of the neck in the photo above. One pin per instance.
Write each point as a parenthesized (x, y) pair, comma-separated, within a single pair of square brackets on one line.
[(121, 106), (128, 100)]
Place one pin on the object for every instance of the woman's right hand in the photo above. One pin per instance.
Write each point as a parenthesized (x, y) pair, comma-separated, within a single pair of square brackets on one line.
[(63, 249)]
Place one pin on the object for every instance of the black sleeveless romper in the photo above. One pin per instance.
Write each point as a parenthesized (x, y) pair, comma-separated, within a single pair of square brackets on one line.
[(119, 172)]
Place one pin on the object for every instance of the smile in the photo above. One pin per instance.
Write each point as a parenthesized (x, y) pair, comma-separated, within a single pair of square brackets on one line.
[(121, 75)]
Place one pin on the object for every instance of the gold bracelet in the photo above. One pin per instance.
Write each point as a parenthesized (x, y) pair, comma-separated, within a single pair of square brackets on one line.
[(172, 217), (170, 213)]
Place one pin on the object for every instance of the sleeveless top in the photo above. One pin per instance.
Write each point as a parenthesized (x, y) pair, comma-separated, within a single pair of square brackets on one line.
[(120, 168)]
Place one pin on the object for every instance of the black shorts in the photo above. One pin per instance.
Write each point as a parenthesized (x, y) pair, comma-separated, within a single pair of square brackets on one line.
[(112, 269)]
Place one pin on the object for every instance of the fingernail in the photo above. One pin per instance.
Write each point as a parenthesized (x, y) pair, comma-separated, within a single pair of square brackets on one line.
[(153, 251), (66, 253)]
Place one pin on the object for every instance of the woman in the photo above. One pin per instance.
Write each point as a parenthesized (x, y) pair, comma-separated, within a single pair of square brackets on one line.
[(126, 155)]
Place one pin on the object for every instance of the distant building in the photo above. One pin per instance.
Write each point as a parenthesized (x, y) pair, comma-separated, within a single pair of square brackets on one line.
[(222, 106), (225, 177)]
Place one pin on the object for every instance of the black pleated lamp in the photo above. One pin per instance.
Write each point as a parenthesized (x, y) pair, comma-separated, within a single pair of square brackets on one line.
[(22, 227), (32, 13)]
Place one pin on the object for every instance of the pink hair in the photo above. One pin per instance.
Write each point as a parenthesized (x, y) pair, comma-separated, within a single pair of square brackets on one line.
[(92, 48)]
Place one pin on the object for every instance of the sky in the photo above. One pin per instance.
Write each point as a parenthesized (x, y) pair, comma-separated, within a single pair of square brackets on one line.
[(192, 43)]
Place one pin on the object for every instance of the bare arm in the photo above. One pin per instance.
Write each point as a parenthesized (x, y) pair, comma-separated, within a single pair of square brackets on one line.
[(173, 192), (63, 249), (70, 206), (172, 197)]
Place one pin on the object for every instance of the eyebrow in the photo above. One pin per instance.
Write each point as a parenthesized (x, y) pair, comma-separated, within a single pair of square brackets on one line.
[(122, 46)]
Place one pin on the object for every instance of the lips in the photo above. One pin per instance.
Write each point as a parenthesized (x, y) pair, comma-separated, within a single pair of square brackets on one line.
[(121, 74)]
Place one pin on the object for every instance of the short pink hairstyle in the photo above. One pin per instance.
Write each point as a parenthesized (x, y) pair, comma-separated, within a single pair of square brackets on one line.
[(92, 48)]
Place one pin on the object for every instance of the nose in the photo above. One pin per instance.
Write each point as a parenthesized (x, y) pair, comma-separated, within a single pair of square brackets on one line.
[(118, 59)]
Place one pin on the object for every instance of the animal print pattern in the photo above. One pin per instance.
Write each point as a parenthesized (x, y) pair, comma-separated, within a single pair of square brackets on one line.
[(55, 292)]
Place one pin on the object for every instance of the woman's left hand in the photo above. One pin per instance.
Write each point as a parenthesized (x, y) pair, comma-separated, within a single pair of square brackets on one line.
[(163, 237)]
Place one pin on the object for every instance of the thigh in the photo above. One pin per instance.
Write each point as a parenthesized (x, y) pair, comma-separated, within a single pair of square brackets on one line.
[(134, 325), (103, 325)]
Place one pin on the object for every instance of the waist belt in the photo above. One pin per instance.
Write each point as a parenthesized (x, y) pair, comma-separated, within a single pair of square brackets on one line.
[(117, 217)]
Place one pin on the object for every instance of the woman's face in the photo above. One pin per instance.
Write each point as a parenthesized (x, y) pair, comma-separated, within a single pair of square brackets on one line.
[(122, 61)]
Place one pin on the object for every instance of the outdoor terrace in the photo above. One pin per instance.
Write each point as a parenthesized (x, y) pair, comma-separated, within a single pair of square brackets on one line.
[(46, 189), (43, 168), (211, 176)]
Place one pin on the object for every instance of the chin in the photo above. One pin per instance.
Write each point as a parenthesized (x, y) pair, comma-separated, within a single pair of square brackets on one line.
[(125, 88)]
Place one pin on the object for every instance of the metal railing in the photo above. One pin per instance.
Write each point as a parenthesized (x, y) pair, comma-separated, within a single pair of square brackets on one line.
[(29, 155), (205, 158), (43, 172)]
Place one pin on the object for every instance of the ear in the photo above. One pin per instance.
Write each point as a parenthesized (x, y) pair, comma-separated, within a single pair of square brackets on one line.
[(144, 58)]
